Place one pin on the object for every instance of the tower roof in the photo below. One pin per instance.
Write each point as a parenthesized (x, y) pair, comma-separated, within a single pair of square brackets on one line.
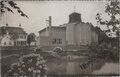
[(13, 30), (74, 17)]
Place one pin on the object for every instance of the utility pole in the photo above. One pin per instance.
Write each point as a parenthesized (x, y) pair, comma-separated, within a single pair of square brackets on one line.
[(50, 30)]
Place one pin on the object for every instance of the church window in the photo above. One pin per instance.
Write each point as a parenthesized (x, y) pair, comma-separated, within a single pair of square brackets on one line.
[(57, 41), (53, 41), (60, 41), (21, 43)]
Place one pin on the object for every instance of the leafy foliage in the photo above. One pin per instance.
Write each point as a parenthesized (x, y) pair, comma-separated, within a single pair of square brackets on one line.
[(113, 10), (13, 5), (31, 65), (30, 38), (3, 31), (14, 36)]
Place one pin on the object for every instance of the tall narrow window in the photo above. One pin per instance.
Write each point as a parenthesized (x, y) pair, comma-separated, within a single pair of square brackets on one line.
[(61, 41), (55, 41)]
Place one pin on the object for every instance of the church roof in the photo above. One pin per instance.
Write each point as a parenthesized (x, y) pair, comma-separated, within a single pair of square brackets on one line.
[(53, 27), (12, 30), (75, 13)]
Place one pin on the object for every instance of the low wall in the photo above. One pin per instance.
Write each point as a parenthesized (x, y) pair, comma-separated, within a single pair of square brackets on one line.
[(66, 48)]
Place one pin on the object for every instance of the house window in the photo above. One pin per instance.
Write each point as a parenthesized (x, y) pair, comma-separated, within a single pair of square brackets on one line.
[(24, 37), (21, 43), (15, 43), (59, 41), (53, 42), (4, 43), (21, 37), (10, 43), (25, 42), (18, 42)]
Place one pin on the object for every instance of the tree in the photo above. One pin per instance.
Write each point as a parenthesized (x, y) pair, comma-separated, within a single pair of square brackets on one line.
[(30, 38), (14, 36), (31, 65), (113, 10), (12, 5), (3, 31)]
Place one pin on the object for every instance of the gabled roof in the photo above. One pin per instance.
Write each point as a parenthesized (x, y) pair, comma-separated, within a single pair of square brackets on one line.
[(14, 30), (53, 27)]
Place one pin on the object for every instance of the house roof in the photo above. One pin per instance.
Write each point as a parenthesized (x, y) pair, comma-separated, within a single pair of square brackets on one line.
[(53, 27), (14, 30)]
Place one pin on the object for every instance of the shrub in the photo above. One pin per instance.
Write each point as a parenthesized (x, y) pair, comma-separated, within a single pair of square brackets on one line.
[(31, 65)]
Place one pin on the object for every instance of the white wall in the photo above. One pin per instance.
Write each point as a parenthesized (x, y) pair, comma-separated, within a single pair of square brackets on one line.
[(59, 33), (70, 36), (80, 34), (7, 39)]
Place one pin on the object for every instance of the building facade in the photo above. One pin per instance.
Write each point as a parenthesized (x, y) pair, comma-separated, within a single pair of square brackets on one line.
[(75, 32), (57, 38)]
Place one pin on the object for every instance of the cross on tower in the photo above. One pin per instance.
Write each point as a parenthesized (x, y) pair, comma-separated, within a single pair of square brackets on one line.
[(74, 8)]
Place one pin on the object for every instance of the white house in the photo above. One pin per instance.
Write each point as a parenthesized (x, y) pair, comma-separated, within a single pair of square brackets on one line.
[(14, 36)]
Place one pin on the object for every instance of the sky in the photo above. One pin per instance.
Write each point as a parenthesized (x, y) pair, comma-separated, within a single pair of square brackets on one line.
[(39, 11)]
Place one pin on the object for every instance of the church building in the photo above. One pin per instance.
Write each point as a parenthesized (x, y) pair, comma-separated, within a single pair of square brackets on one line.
[(75, 32)]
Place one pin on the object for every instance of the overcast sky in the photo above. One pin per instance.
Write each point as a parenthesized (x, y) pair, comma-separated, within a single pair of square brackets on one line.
[(38, 12)]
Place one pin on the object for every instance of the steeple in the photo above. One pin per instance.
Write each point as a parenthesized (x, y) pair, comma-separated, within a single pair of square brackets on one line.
[(75, 17)]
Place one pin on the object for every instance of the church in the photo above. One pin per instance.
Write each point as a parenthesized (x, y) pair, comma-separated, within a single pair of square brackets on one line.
[(75, 33)]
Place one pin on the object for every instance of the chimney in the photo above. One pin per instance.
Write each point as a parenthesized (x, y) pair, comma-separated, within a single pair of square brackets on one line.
[(20, 25), (50, 29), (6, 24)]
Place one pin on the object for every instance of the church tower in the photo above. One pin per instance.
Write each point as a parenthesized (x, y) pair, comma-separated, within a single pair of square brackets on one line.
[(75, 17)]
